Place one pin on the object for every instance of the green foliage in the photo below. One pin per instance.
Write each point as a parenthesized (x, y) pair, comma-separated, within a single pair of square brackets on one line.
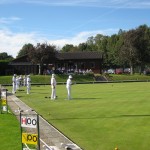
[(82, 46), (5, 56), (25, 50), (4, 61), (69, 48), (127, 48), (42, 53)]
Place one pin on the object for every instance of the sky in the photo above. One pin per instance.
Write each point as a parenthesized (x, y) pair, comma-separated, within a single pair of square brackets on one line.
[(61, 22)]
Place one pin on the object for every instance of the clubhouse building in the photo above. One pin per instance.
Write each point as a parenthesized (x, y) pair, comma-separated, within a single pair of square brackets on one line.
[(60, 63)]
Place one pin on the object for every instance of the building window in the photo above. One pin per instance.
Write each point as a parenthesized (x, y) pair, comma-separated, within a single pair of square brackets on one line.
[(82, 65), (92, 64), (58, 65)]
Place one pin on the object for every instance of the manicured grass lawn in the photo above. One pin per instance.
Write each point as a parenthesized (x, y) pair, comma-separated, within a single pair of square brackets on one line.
[(45, 79), (100, 116), (10, 137), (137, 77)]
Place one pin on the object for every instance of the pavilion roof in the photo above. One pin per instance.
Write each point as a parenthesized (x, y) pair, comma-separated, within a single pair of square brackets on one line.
[(79, 55)]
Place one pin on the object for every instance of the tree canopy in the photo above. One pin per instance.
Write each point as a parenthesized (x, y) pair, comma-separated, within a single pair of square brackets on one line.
[(5, 56), (126, 49), (25, 50), (41, 53)]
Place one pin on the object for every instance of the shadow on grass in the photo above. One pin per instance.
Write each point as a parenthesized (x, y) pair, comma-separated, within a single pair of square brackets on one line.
[(96, 117), (19, 96), (9, 94), (135, 115), (84, 98)]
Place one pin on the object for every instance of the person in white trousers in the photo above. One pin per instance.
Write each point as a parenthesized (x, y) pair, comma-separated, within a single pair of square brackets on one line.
[(53, 86), (14, 84), (68, 86), (17, 83), (25, 80), (28, 84)]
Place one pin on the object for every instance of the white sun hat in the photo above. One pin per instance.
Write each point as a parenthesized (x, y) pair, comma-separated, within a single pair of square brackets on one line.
[(70, 76)]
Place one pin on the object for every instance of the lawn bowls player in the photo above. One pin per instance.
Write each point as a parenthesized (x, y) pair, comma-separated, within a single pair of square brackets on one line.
[(28, 84), (68, 86), (14, 84), (25, 80), (17, 83), (53, 86)]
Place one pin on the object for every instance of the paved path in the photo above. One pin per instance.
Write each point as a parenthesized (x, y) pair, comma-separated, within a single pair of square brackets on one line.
[(51, 138)]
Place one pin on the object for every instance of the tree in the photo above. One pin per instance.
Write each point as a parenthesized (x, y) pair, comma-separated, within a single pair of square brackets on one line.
[(101, 42), (42, 53), (99, 39), (91, 44), (128, 51), (112, 51), (25, 50), (5, 56), (82, 47), (118, 45), (136, 47), (69, 48), (142, 43)]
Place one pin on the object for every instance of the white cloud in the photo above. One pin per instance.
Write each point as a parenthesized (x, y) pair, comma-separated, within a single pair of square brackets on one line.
[(82, 37), (86, 3), (4, 20), (13, 42), (94, 3)]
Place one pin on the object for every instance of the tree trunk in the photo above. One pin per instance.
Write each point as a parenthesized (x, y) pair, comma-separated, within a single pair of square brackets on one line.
[(141, 68), (131, 68), (39, 69)]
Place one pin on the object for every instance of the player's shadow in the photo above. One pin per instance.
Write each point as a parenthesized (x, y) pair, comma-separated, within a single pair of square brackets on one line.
[(9, 94), (19, 96)]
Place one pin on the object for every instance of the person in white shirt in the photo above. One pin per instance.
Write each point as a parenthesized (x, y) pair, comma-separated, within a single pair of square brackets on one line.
[(14, 84), (28, 84), (20, 81), (68, 86), (53, 86), (25, 80)]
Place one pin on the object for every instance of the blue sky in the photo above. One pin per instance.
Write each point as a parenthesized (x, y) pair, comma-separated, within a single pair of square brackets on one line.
[(61, 22)]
